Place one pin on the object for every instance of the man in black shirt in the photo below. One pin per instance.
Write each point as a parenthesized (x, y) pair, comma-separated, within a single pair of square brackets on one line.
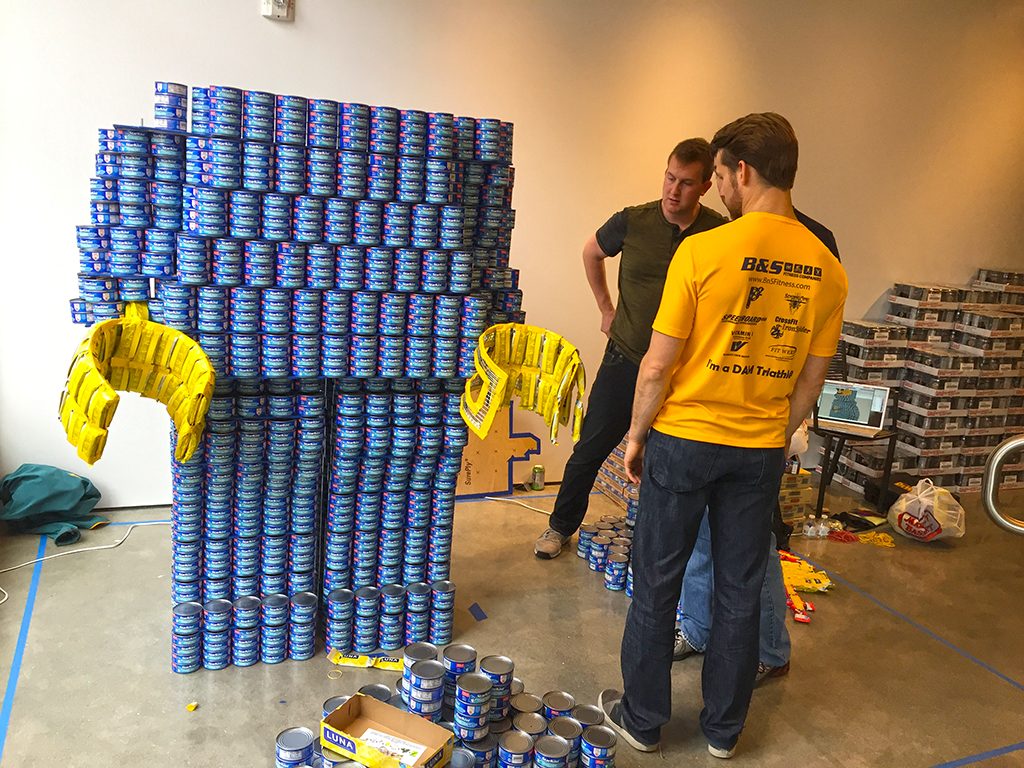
[(647, 237)]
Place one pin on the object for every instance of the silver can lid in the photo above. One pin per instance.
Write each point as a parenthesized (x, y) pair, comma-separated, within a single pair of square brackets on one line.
[(530, 722), (276, 600), (420, 652), (443, 586), (295, 739), (554, 747), (516, 742), (474, 682), (560, 701), (304, 600), (337, 760), (462, 758), (378, 691), (517, 686), (248, 603), (367, 593), (428, 669), (392, 590), (600, 736), (334, 702), (526, 702), (497, 665), (618, 557), (341, 595), (566, 727), (220, 605), (601, 541), (418, 588), (187, 609), (460, 653), (499, 727), (486, 744), (587, 715)]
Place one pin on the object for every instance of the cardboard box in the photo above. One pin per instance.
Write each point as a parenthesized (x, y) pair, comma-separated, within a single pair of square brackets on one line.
[(376, 734)]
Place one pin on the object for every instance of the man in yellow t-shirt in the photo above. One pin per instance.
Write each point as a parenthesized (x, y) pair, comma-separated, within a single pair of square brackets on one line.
[(749, 319)]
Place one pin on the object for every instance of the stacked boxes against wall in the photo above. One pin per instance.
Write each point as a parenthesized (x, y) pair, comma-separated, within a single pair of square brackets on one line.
[(611, 477), (337, 263), (958, 379)]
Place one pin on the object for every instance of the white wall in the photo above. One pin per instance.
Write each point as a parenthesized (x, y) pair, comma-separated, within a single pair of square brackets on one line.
[(909, 116)]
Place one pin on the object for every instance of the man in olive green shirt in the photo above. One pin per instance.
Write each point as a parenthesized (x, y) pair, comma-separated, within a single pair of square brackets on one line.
[(647, 237)]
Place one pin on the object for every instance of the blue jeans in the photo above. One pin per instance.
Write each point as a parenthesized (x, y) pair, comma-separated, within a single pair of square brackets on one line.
[(739, 488), (698, 583)]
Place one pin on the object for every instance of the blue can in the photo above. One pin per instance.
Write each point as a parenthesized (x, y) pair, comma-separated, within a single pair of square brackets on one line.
[(186, 653), (274, 609), (294, 746), (303, 608), (186, 618)]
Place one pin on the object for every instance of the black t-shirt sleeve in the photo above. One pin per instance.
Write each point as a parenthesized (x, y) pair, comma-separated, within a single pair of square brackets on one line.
[(612, 234), (820, 231)]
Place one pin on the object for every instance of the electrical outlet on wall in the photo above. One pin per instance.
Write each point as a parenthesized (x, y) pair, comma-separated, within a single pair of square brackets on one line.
[(278, 10)]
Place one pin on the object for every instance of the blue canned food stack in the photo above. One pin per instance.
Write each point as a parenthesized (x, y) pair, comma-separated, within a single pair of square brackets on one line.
[(606, 546), (337, 263)]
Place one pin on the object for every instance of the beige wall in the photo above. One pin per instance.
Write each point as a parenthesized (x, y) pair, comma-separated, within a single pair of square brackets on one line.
[(910, 117)]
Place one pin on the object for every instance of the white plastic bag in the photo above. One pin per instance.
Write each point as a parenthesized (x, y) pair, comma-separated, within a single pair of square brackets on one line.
[(927, 513)]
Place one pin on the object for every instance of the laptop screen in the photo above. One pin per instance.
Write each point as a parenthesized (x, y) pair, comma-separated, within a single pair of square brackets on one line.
[(853, 403)]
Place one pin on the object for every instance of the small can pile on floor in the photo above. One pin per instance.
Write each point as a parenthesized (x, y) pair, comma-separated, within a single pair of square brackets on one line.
[(497, 724), (606, 546)]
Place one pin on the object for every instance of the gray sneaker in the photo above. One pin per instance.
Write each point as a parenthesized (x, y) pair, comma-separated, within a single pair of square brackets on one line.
[(682, 649), (550, 544)]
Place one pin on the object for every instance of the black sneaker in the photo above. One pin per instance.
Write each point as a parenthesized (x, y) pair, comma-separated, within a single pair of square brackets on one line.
[(682, 648), (610, 702)]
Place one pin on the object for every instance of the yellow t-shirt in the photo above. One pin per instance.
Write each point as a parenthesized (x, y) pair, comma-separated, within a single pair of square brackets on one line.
[(752, 298)]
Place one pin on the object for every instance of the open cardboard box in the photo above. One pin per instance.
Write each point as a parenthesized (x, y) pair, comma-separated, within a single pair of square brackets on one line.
[(381, 736)]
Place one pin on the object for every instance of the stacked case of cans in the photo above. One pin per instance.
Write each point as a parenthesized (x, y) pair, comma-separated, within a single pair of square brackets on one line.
[(321, 252), (957, 389)]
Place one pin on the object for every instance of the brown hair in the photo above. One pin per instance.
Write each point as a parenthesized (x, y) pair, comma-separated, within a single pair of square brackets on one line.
[(695, 151), (763, 140)]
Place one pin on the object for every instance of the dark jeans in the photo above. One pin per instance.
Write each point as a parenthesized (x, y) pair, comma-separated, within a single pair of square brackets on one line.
[(739, 487), (609, 410)]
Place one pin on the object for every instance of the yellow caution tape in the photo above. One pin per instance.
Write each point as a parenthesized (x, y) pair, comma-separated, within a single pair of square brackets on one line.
[(136, 355), (536, 365)]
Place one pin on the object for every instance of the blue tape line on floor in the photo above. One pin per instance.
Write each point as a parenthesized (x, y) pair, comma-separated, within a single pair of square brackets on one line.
[(982, 756), (850, 585), (19, 650), (477, 611)]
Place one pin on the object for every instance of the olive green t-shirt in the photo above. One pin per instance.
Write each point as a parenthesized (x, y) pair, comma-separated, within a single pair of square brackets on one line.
[(647, 242)]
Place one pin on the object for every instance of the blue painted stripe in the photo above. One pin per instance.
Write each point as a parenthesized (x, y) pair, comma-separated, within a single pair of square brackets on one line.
[(920, 627), (982, 756), (19, 650)]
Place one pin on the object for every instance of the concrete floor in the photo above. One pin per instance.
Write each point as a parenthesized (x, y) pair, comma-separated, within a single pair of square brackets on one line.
[(913, 660)]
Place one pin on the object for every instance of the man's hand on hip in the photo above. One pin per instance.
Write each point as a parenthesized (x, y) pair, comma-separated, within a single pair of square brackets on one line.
[(634, 459), (606, 322)]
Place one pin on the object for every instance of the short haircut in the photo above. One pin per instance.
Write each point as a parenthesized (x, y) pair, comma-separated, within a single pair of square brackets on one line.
[(763, 140), (695, 151)]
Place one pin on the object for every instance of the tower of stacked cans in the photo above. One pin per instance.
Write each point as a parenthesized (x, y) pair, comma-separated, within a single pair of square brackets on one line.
[(337, 263)]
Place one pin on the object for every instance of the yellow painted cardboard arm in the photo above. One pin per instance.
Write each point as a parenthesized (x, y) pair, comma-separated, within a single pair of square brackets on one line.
[(537, 365), (135, 355)]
